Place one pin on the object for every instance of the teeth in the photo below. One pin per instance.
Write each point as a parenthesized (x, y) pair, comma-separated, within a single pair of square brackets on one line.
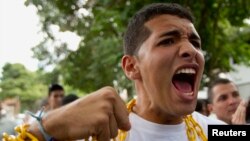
[(186, 70), (189, 94)]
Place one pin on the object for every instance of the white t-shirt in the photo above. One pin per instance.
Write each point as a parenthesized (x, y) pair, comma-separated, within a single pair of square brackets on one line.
[(143, 130)]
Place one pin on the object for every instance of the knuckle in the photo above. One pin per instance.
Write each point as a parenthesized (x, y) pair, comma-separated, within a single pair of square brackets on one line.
[(108, 88), (109, 93), (107, 107), (103, 120)]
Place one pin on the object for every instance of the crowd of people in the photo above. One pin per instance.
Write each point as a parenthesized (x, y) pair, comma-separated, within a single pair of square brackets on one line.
[(164, 60)]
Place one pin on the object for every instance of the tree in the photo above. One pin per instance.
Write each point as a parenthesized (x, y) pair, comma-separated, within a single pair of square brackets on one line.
[(21, 83), (101, 24)]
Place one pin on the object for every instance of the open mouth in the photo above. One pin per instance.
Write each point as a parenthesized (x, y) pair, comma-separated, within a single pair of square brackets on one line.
[(184, 80)]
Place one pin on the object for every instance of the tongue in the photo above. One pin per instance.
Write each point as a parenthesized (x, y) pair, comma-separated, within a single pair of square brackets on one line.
[(183, 86)]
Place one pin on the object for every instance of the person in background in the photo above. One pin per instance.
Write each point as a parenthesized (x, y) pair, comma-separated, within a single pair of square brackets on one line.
[(69, 98), (202, 107), (224, 99), (55, 96), (44, 104), (52, 102), (6, 124), (43, 108)]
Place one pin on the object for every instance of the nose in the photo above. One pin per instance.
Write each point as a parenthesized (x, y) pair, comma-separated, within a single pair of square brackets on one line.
[(187, 51)]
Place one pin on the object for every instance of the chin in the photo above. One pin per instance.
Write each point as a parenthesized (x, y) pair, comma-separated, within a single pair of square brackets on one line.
[(188, 109)]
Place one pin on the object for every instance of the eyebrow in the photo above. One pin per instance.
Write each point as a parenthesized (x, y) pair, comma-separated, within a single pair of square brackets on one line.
[(171, 33), (194, 36), (178, 33)]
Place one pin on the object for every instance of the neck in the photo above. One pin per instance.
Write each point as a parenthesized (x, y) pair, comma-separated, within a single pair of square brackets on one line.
[(191, 125), (154, 115), (147, 109)]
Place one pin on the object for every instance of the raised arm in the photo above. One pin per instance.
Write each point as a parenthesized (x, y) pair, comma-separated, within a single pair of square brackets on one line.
[(100, 115)]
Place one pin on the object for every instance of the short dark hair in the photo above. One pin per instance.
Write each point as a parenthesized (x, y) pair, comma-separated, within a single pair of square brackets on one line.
[(69, 98), (137, 33), (213, 84), (54, 87)]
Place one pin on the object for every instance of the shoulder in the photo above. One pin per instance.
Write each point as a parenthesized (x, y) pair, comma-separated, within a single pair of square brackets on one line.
[(205, 120)]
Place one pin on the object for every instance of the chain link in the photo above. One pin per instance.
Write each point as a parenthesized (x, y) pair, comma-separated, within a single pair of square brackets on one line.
[(192, 129), (23, 134)]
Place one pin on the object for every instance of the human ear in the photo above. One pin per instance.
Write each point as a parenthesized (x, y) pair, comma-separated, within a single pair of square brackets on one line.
[(130, 68)]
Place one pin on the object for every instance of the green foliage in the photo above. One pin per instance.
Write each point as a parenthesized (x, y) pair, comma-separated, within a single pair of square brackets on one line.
[(19, 82), (96, 63)]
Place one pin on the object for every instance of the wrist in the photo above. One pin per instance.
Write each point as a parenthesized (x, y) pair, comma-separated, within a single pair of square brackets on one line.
[(53, 124), (37, 128), (41, 128), (34, 130)]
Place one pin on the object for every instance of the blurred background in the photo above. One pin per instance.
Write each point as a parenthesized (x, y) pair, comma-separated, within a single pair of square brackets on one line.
[(78, 43)]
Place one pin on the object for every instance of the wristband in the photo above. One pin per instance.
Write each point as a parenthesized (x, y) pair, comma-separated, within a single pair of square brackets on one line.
[(46, 136)]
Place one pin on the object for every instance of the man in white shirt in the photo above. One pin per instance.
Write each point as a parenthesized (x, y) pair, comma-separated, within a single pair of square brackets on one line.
[(225, 102), (164, 59)]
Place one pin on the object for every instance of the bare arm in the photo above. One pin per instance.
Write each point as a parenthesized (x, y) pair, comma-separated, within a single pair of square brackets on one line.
[(99, 114)]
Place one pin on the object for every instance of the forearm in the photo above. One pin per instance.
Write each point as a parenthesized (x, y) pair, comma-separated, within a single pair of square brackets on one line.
[(84, 118), (34, 130), (43, 128)]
